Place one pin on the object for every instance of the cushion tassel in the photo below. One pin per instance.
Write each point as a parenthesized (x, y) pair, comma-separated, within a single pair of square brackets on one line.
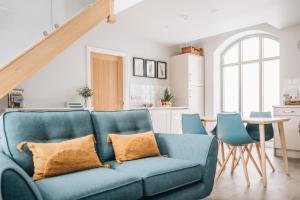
[(21, 145)]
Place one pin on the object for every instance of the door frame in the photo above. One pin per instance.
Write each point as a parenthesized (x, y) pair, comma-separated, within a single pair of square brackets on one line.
[(126, 70)]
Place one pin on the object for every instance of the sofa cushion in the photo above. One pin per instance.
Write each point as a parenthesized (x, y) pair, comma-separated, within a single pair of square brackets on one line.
[(50, 126), (133, 146), (122, 122), (98, 183), (161, 174), (52, 159)]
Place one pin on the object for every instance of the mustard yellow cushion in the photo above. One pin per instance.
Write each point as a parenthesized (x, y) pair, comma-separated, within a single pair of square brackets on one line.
[(51, 159), (134, 146)]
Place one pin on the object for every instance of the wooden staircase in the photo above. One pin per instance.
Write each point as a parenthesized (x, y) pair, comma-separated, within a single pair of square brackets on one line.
[(26, 64)]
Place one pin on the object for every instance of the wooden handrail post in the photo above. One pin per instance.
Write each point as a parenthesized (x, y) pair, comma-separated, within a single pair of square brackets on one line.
[(112, 17)]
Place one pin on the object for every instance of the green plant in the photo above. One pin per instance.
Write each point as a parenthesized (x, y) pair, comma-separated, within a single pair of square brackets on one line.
[(168, 97), (85, 92)]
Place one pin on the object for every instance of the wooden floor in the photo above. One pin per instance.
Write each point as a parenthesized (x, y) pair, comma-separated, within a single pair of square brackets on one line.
[(280, 186)]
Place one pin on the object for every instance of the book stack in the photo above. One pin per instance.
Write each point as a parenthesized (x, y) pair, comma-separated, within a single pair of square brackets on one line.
[(73, 105)]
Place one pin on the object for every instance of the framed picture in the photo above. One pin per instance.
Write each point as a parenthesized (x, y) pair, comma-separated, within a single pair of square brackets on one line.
[(150, 68), (161, 70), (138, 67)]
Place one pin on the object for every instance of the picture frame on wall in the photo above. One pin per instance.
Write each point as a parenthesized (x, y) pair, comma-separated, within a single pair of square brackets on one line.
[(150, 68), (138, 67), (161, 70)]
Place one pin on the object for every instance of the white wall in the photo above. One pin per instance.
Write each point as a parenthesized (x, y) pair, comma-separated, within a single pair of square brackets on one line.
[(290, 56), (290, 59), (58, 81)]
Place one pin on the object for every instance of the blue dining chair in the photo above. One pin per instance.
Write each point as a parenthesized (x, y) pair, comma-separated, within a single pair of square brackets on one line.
[(253, 130), (191, 124), (231, 130)]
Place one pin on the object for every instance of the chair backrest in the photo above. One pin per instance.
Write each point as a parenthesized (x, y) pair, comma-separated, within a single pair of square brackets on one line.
[(191, 123), (118, 122), (40, 126), (254, 128), (231, 129)]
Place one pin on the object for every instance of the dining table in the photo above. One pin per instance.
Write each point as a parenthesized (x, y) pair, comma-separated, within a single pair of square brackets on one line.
[(261, 122)]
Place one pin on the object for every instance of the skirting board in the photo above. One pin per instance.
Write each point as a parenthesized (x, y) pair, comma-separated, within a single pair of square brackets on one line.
[(291, 153)]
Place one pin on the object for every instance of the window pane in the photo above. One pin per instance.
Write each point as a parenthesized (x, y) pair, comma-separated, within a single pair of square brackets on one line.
[(250, 83), (270, 48), (270, 84), (250, 49), (231, 89), (231, 55)]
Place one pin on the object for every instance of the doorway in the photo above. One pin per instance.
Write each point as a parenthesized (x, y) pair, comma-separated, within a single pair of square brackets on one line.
[(106, 81)]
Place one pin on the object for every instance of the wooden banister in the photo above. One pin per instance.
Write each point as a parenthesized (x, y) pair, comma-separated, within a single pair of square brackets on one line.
[(26, 64)]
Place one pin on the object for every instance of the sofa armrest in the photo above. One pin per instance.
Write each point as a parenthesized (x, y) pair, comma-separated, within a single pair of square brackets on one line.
[(15, 183), (202, 149)]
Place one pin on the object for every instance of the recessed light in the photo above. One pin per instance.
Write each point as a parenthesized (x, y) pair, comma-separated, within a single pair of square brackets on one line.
[(214, 10)]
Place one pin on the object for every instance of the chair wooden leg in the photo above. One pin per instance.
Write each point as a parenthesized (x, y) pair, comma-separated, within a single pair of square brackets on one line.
[(233, 160), (267, 157), (270, 163), (252, 159), (219, 163), (258, 153), (225, 162), (248, 156), (222, 151), (244, 166), (238, 160)]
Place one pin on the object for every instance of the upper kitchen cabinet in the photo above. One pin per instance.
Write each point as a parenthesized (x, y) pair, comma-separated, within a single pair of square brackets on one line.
[(187, 81)]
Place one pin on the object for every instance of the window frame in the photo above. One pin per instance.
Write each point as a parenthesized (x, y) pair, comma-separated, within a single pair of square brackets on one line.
[(240, 63)]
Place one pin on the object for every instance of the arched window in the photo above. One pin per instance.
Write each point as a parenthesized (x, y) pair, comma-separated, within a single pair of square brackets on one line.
[(250, 74)]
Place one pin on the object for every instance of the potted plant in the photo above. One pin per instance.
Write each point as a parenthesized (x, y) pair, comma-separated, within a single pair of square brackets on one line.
[(86, 93), (167, 99)]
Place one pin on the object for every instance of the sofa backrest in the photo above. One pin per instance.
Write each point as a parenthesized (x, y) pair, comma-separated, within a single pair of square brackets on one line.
[(119, 122), (50, 126)]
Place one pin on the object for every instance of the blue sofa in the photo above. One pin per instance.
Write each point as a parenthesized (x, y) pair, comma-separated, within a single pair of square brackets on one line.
[(187, 173)]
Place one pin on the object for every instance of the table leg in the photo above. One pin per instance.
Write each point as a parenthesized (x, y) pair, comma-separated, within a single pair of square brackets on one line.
[(263, 153), (283, 147)]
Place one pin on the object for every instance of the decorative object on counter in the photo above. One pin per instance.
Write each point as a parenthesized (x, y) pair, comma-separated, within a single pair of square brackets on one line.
[(150, 68), (192, 50), (15, 98), (168, 98), (147, 105), (161, 70), (73, 104), (290, 101), (138, 67), (86, 93)]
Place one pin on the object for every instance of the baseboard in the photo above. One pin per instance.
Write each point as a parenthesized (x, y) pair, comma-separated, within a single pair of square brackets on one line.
[(291, 153)]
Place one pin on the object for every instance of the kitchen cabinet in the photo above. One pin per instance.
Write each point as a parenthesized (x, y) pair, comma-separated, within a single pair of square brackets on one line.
[(292, 130), (187, 81), (167, 120)]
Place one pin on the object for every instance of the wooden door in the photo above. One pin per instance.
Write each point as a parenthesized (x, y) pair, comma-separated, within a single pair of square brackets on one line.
[(107, 82)]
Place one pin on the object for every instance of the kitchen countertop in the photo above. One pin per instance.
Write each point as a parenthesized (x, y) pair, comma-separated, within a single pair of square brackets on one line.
[(160, 108), (287, 106)]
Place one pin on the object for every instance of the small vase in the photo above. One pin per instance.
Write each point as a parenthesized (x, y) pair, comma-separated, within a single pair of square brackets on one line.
[(85, 102), (166, 103)]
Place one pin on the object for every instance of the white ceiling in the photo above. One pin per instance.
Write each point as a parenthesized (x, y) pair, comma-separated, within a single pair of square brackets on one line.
[(177, 21)]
